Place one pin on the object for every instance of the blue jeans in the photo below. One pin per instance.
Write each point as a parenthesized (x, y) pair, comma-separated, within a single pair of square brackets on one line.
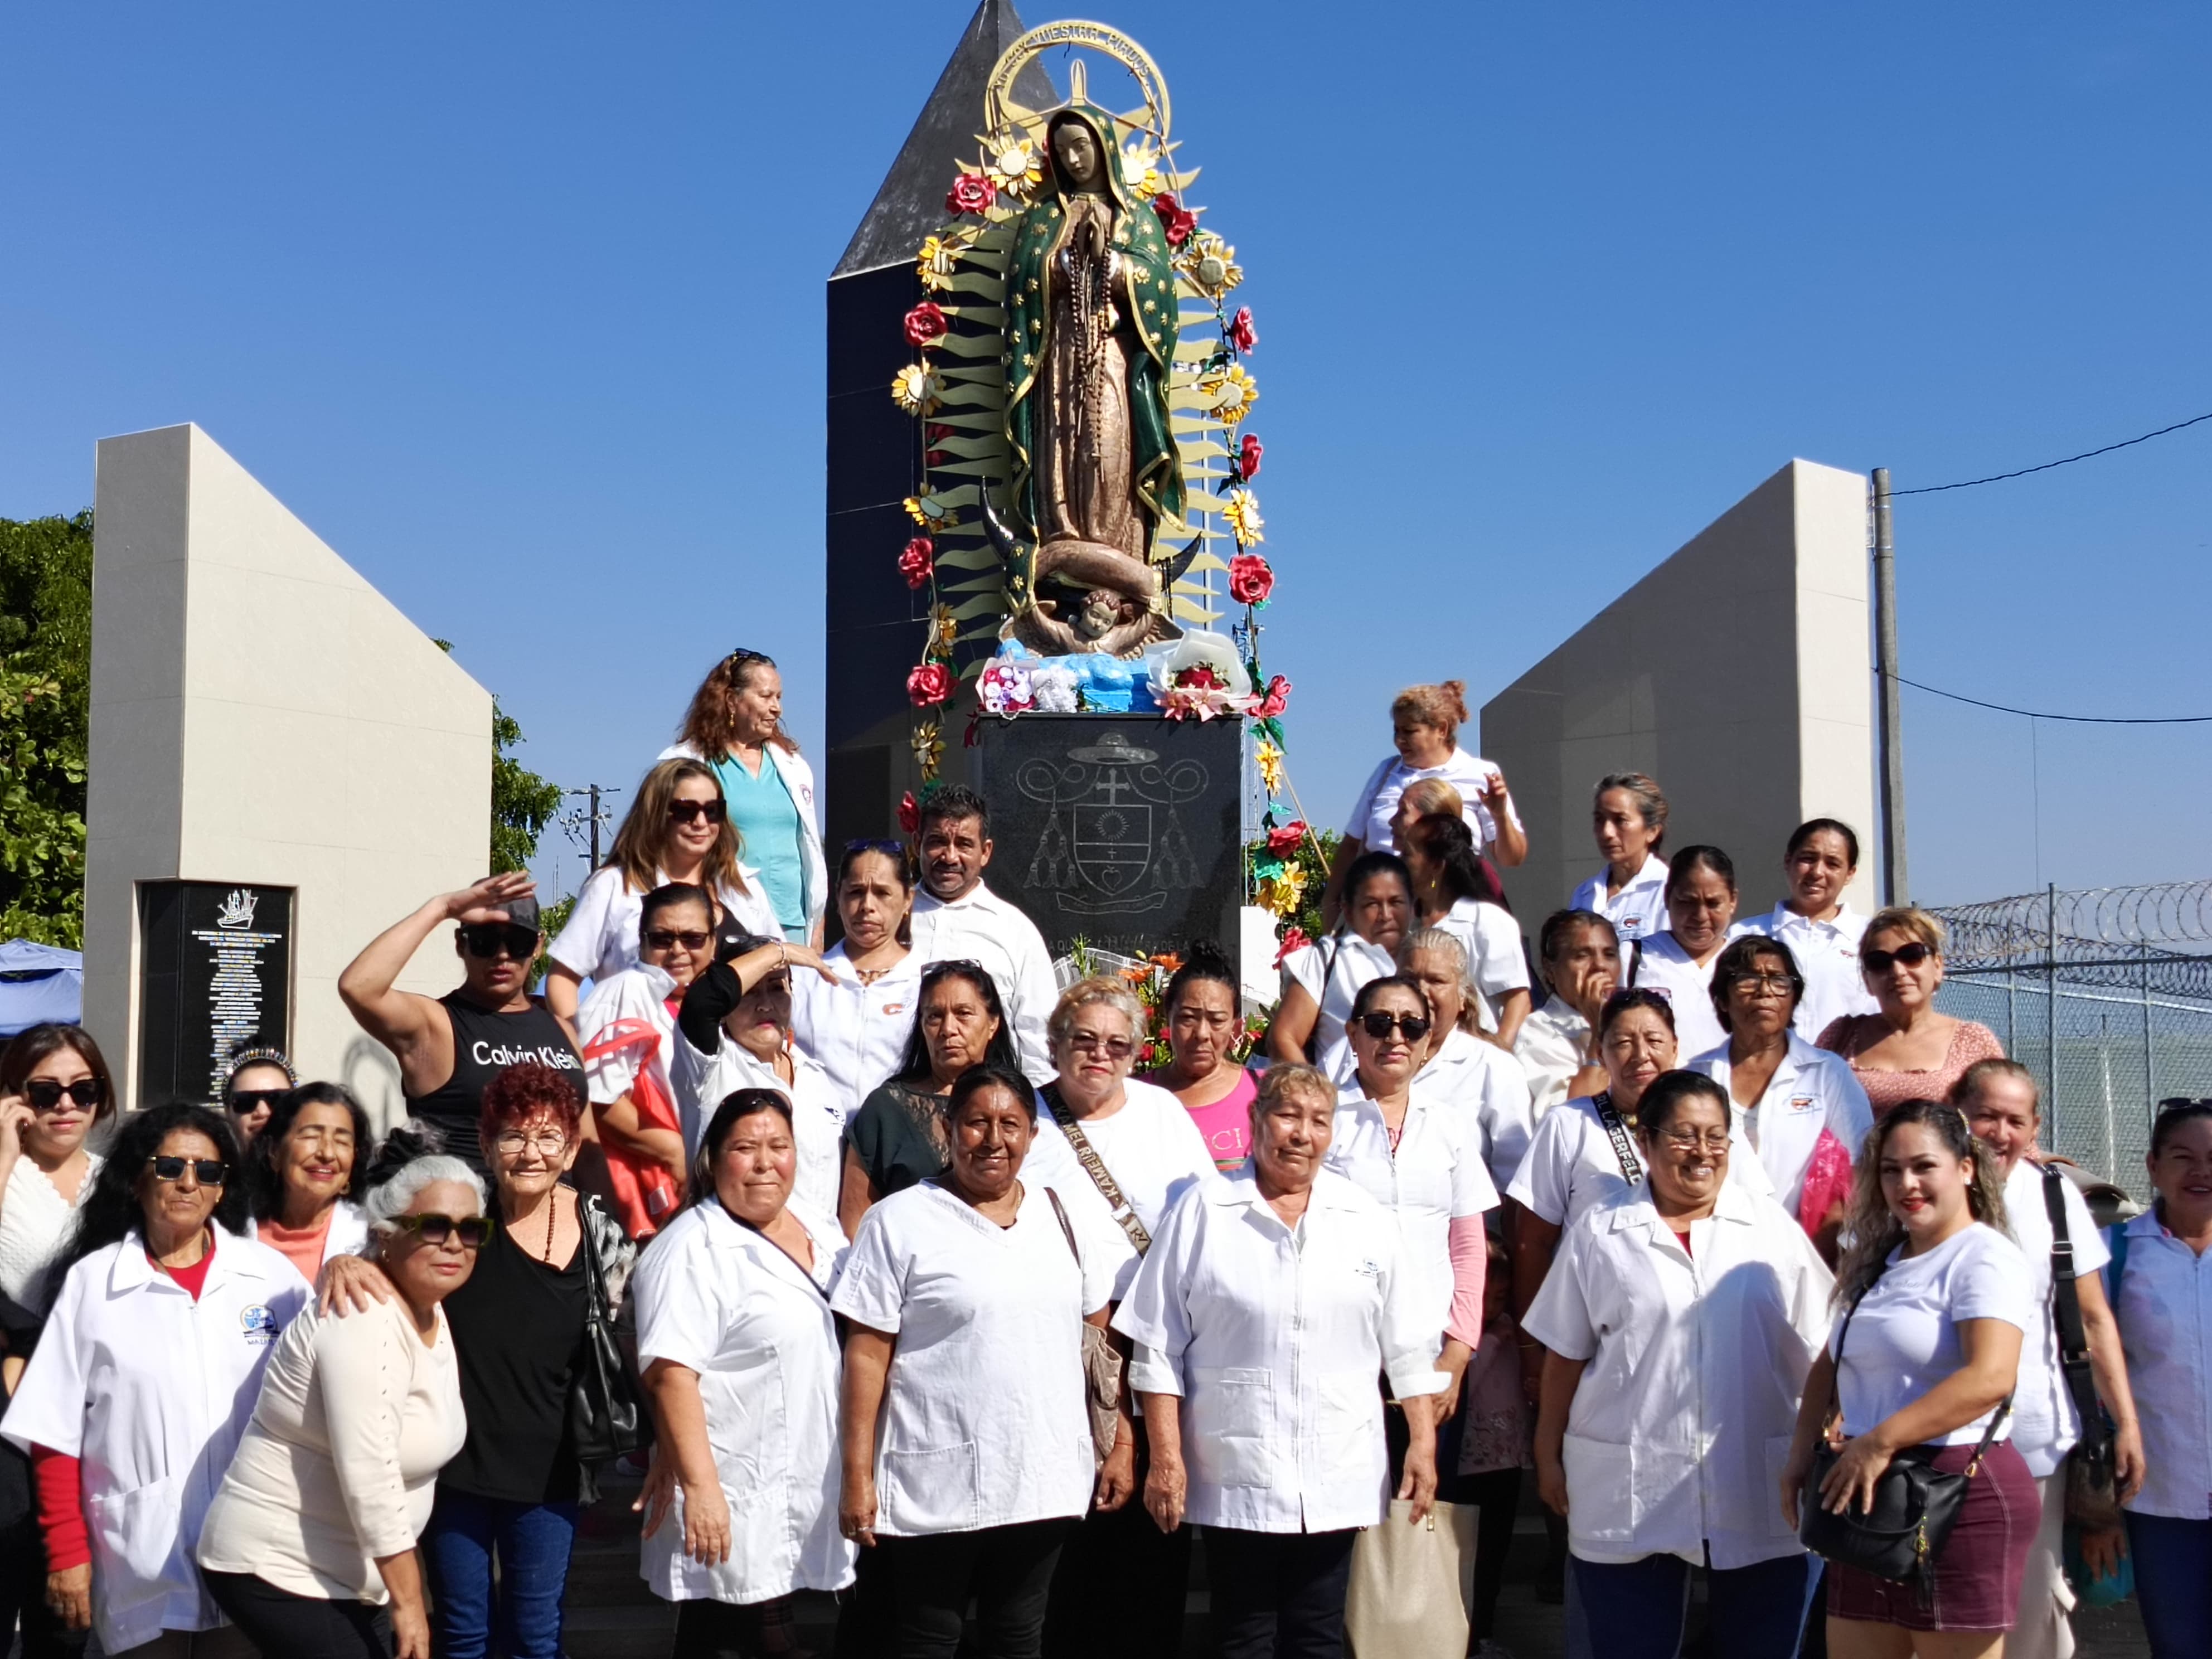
[(2173, 1583), (1637, 1609), (532, 1541)]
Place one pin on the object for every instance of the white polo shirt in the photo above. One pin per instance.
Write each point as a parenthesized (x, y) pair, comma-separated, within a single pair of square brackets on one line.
[(1433, 1177), (151, 1390), (1572, 1165), (981, 926), (1486, 1085), (1681, 1425), (1370, 820), (1349, 962), (1827, 956), (2163, 1305), (984, 1422), (1663, 965), (600, 938), (856, 1033), (1492, 939), (817, 1128), (1638, 911), (722, 1300), (1150, 1147), (2044, 1425), (1811, 1090), (1274, 1337), (1549, 1046)]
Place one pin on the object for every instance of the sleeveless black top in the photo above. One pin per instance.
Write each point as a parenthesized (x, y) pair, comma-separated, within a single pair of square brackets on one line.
[(484, 1044)]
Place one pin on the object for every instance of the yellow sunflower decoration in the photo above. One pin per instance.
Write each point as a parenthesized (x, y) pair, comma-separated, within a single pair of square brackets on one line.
[(1244, 515), (1230, 393), (918, 389)]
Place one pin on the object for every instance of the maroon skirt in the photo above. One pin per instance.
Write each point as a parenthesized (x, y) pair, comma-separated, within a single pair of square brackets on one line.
[(1977, 1575)]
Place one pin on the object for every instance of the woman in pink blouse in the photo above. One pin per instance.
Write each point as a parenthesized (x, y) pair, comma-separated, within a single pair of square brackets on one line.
[(1202, 1010), (1908, 1051)]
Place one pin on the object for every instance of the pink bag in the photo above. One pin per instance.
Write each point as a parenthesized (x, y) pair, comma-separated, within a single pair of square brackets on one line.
[(1827, 1182)]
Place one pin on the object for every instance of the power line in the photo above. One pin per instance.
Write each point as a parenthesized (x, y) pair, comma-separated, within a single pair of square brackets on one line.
[(1999, 477), (2075, 720)]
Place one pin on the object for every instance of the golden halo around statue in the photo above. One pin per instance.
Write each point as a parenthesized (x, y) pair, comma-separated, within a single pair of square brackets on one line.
[(1001, 111)]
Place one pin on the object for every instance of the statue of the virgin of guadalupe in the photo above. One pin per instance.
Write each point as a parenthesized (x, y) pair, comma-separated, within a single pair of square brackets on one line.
[(1091, 335)]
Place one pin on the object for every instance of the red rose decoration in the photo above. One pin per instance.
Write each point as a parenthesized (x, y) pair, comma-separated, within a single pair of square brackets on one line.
[(926, 324), (1247, 457), (971, 192), (909, 813), (1283, 839), (1201, 678), (1180, 227), (928, 685), (1250, 579), (1241, 334), (1167, 207), (1276, 700), (1294, 938), (918, 562)]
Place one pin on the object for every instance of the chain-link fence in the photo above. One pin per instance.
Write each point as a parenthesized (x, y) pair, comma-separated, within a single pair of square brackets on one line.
[(2133, 1014)]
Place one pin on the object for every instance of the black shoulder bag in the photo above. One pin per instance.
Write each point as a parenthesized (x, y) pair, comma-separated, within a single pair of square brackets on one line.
[(605, 1417), (1915, 1504), (2091, 1498)]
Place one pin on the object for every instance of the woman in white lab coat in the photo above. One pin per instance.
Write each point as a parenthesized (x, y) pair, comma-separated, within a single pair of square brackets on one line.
[(1678, 963), (144, 1379), (967, 1444), (302, 1172), (856, 1025), (1475, 1078), (1629, 819), (1682, 1319), (740, 1356), (1822, 931), (1268, 1428)]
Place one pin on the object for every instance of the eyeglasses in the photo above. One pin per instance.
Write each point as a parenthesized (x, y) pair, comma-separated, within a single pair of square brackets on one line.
[(244, 1101), (691, 811), (1097, 1042), (473, 1230), (1880, 962), (510, 1142), (667, 938), (45, 1094), (1771, 985), (207, 1171), (488, 939), (1689, 1141), (1380, 1025)]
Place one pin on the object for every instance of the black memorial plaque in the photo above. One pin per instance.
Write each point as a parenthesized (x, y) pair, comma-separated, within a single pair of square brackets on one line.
[(1121, 831), (214, 976)]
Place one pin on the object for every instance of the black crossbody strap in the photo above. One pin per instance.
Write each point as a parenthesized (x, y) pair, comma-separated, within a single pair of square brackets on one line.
[(2066, 1304), (1616, 1129), (1125, 1214)]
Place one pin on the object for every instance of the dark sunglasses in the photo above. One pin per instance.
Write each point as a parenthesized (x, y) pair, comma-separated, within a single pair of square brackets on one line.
[(1379, 1025), (691, 811), (486, 940), (474, 1230), (889, 849), (208, 1171), (243, 1100), (45, 1094), (1880, 962), (667, 938), (742, 655)]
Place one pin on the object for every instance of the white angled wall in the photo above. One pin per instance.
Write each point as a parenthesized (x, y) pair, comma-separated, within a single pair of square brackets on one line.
[(1738, 673), (261, 714)]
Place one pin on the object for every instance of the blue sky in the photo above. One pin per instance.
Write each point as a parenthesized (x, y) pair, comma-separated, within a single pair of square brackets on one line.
[(519, 307)]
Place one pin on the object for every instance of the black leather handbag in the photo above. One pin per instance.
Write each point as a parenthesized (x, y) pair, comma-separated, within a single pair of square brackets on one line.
[(1915, 1506), (606, 1418)]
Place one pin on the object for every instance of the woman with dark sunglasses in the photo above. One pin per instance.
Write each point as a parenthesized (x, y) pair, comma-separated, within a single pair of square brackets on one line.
[(143, 1381), (1421, 1158), (253, 1082), (1908, 1051), (309, 1546), (678, 828), (54, 1088)]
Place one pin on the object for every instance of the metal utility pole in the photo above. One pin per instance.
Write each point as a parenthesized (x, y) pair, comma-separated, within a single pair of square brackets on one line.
[(580, 822), (1889, 729)]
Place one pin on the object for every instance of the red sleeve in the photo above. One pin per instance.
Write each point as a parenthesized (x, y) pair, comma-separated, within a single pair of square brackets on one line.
[(61, 1508)]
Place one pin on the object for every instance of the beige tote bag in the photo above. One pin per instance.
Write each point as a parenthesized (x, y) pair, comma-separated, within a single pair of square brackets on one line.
[(1412, 1588)]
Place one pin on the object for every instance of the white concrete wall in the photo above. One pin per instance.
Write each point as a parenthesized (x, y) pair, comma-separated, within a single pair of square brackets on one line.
[(1738, 673), (261, 714)]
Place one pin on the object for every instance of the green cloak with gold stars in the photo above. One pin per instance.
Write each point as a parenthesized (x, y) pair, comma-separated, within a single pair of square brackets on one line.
[(1147, 295)]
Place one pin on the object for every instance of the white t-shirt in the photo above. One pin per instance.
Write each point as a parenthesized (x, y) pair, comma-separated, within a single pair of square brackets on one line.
[(1492, 939), (1150, 1147), (1665, 967), (1351, 962), (1572, 1164), (2044, 1425), (1378, 804), (983, 1422), (1549, 1047), (601, 937), (858, 1033), (1638, 911), (1828, 957), (1433, 1177), (1904, 1338)]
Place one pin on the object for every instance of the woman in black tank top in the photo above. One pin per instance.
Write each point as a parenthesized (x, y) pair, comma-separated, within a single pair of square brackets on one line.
[(485, 1043)]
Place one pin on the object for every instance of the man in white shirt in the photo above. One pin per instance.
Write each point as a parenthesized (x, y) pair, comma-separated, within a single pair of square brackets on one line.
[(956, 917)]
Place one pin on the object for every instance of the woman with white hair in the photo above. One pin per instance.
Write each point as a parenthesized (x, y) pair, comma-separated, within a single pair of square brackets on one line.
[(1458, 1067), (309, 1546)]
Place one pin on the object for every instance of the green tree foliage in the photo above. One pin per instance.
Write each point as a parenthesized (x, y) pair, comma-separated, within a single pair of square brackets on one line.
[(522, 803), (46, 672)]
